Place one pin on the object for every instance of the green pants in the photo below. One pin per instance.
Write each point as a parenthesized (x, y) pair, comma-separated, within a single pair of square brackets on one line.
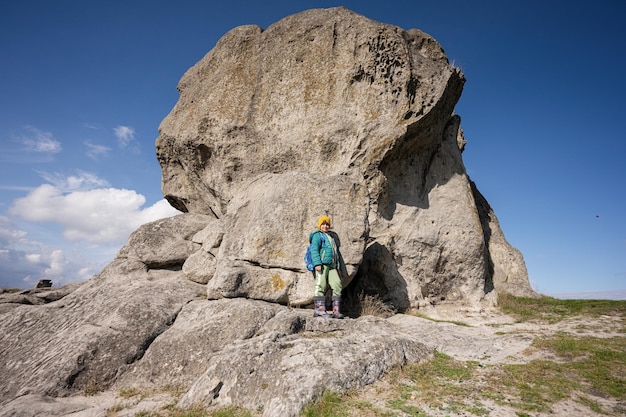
[(325, 278)]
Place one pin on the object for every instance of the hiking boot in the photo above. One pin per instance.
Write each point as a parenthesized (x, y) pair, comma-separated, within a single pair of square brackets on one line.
[(337, 308), (320, 307)]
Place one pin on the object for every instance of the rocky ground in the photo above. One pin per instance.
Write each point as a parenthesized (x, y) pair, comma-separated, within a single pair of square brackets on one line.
[(496, 339), (489, 338)]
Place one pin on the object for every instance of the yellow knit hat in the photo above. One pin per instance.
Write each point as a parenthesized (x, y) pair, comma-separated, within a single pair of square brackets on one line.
[(323, 219)]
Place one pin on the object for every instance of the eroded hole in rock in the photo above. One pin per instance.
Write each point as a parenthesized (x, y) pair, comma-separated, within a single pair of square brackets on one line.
[(377, 288), (166, 266)]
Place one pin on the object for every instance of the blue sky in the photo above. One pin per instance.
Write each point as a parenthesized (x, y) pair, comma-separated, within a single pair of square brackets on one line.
[(86, 84)]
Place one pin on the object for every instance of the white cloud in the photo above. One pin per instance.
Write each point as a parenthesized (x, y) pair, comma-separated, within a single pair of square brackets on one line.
[(36, 140), (159, 210), (95, 223), (94, 151), (24, 262), (102, 215), (81, 181), (57, 264), (33, 258), (124, 134), (8, 233)]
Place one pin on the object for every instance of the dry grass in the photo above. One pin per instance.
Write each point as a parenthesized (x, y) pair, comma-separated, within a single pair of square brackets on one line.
[(366, 305)]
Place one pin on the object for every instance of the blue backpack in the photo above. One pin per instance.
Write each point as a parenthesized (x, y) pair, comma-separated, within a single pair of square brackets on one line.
[(308, 258)]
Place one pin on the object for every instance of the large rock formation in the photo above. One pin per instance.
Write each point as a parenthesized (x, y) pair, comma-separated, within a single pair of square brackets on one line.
[(329, 112), (324, 112)]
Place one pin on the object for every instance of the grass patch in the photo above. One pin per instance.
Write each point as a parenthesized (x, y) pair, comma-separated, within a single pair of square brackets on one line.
[(533, 386), (598, 363), (442, 382), (374, 306), (424, 316), (554, 310), (330, 404), (129, 393), (592, 368)]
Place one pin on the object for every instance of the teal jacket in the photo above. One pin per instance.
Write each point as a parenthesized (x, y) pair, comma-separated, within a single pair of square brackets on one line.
[(322, 250)]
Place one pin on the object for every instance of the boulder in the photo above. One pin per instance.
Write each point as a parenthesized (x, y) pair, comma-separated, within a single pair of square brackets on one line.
[(44, 283), (328, 112), (293, 358)]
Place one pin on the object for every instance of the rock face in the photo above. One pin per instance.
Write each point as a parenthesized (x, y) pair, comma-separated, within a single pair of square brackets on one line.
[(328, 112), (324, 112)]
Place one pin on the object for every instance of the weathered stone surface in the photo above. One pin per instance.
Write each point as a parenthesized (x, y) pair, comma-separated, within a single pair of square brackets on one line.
[(328, 112), (30, 405), (294, 357), (83, 340), (261, 256), (200, 266), (324, 91), (44, 283), (36, 296), (165, 243), (507, 267), (252, 353), (180, 355)]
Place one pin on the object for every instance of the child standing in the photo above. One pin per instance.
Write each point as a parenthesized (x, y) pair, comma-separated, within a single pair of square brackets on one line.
[(327, 260)]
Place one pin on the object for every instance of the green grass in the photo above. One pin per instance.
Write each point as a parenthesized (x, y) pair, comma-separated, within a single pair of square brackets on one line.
[(599, 363), (533, 386), (442, 382), (330, 404), (554, 310)]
